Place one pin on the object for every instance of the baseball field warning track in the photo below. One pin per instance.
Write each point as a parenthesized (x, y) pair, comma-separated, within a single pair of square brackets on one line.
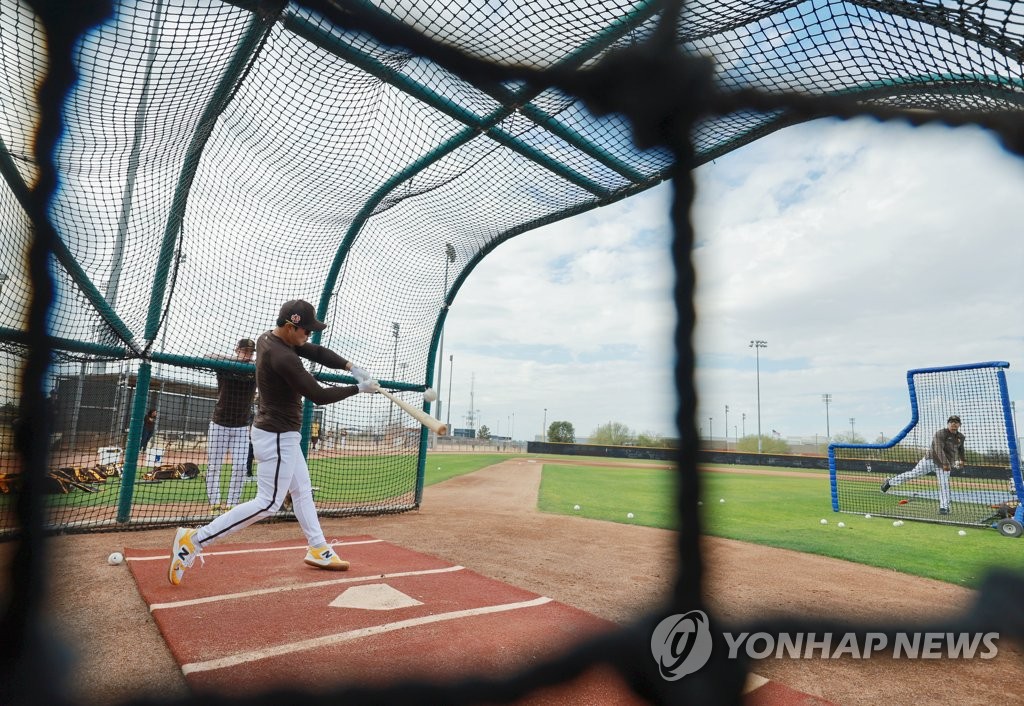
[(255, 617)]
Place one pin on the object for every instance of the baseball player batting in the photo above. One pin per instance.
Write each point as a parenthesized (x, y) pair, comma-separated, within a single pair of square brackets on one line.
[(282, 382)]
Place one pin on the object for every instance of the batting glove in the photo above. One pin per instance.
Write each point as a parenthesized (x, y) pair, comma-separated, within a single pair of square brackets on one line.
[(369, 386), (360, 374)]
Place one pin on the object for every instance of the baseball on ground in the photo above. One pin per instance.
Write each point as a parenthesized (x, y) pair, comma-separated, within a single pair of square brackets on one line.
[(115, 558)]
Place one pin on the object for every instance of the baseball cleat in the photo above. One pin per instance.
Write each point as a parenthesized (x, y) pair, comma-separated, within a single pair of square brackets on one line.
[(325, 558), (885, 487), (183, 554), (943, 510)]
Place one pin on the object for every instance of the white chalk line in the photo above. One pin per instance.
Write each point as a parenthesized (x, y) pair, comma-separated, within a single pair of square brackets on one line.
[(328, 640), (298, 587), (166, 557)]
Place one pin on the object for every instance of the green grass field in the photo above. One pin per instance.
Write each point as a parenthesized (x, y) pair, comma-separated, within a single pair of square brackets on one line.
[(781, 512), (771, 510)]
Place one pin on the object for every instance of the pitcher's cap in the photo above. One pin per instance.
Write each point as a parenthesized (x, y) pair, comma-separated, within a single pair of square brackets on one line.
[(954, 418), (302, 314), (246, 343)]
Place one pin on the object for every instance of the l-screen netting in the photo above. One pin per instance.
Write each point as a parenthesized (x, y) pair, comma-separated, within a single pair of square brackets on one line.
[(988, 480)]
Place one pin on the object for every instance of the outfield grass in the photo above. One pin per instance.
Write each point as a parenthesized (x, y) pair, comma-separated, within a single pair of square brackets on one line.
[(781, 512)]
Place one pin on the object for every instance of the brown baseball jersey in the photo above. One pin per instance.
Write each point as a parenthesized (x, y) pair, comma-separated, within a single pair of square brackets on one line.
[(283, 381)]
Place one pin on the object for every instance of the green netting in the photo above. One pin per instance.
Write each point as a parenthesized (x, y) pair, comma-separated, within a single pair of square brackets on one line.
[(220, 158)]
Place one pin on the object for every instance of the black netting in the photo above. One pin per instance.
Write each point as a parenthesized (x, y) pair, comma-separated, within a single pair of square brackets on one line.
[(173, 171)]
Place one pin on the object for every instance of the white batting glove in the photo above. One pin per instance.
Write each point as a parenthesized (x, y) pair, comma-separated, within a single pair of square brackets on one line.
[(360, 374), (369, 386)]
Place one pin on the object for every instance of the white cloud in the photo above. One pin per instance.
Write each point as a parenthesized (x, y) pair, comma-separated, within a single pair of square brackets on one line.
[(856, 250)]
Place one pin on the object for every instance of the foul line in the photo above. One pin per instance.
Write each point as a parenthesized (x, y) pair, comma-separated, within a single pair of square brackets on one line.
[(299, 587), (164, 557), (327, 640)]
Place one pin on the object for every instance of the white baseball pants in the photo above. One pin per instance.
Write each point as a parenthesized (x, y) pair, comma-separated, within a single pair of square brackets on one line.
[(282, 470), (219, 441)]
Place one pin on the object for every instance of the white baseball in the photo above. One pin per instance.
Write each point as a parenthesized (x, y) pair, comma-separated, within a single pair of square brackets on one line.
[(824, 521), (629, 515), (841, 524), (115, 558), (962, 533), (575, 507), (867, 517), (721, 500), (430, 394)]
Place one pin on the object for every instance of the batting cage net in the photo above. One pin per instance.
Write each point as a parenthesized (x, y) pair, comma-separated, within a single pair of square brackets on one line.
[(926, 472), (175, 170)]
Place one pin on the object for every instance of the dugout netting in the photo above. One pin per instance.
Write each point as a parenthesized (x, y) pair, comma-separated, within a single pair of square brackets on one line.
[(989, 479), (174, 170)]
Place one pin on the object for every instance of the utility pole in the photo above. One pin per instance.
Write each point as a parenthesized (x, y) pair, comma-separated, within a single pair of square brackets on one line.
[(726, 427), (826, 398), (757, 346)]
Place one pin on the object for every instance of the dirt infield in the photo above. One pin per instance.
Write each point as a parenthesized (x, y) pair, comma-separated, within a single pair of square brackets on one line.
[(487, 521)]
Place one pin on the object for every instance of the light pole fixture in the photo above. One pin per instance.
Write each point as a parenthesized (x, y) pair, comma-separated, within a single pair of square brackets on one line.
[(711, 431), (827, 398), (743, 421), (726, 427), (544, 429), (451, 367), (449, 252), (394, 365), (853, 433), (757, 346)]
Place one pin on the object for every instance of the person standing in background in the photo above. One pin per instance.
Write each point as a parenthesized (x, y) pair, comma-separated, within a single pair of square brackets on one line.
[(229, 428)]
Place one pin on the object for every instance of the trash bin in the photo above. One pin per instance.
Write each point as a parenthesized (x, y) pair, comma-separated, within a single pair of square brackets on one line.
[(108, 454)]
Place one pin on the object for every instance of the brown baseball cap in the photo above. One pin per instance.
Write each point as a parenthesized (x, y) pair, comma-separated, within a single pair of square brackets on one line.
[(246, 343), (302, 314)]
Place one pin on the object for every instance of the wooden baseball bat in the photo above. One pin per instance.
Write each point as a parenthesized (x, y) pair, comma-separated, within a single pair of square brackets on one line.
[(434, 425)]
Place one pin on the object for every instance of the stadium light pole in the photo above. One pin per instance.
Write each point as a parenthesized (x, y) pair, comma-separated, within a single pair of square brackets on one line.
[(853, 431), (743, 420), (544, 429), (757, 346), (711, 431), (826, 398), (449, 253), (726, 427), (451, 368), (394, 365)]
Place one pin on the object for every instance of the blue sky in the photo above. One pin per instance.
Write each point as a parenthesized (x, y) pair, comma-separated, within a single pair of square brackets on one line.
[(856, 250)]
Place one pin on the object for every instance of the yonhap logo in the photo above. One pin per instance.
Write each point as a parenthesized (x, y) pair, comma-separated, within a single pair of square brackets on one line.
[(681, 644)]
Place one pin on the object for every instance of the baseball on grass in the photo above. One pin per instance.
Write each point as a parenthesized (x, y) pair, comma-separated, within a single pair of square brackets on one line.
[(867, 517), (575, 507), (430, 394), (824, 521), (840, 524), (629, 515), (115, 558), (721, 500), (962, 533), (897, 523)]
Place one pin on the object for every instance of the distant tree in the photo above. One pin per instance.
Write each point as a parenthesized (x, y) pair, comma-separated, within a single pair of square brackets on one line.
[(848, 438), (562, 433), (651, 440), (611, 434), (483, 432), (769, 445)]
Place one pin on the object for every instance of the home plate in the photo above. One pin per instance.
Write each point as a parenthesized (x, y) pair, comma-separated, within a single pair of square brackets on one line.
[(374, 596)]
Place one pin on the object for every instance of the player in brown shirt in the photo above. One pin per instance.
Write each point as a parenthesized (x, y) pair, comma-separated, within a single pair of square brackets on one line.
[(229, 428), (282, 382)]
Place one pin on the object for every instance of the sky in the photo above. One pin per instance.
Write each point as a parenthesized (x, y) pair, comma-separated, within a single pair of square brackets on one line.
[(855, 250)]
